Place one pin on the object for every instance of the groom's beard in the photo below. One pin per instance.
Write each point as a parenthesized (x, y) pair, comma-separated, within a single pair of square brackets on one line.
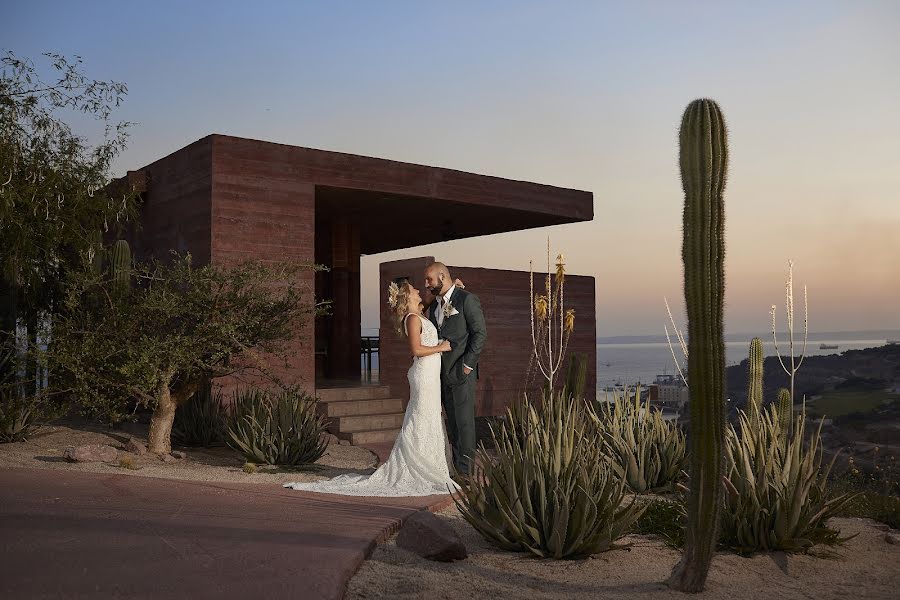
[(436, 291)]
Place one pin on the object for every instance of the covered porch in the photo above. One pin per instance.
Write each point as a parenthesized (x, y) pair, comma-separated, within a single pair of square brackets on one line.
[(351, 222)]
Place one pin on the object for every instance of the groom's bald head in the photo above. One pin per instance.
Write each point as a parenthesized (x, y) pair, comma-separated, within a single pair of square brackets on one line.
[(437, 278)]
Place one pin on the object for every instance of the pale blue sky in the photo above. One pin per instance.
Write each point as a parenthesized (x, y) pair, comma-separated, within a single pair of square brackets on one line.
[(576, 94)]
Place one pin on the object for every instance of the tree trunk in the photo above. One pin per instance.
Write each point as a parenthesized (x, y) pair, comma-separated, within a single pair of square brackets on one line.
[(159, 441)]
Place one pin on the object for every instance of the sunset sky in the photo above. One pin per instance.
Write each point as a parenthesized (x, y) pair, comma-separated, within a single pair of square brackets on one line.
[(585, 95)]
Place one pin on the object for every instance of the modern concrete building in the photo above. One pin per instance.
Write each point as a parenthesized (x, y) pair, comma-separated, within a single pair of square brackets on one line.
[(227, 199)]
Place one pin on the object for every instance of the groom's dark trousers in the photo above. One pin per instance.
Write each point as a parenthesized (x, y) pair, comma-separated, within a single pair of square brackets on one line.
[(466, 333)]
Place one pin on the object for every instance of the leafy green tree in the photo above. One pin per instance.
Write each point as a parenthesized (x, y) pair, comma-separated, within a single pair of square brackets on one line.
[(55, 193), (176, 327)]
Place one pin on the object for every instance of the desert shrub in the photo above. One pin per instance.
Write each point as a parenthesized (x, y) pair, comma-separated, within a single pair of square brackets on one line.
[(19, 415), (644, 448), (200, 421), (276, 428), (550, 493), (776, 489), (665, 517), (875, 491)]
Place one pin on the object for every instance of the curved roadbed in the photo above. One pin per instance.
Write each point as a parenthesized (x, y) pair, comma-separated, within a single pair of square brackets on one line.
[(77, 535)]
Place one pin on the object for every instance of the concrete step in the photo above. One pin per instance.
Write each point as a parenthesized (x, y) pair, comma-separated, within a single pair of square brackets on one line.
[(364, 392), (376, 436), (352, 424), (346, 408)]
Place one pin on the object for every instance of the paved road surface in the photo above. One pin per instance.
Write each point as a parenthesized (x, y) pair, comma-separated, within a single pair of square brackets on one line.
[(67, 534)]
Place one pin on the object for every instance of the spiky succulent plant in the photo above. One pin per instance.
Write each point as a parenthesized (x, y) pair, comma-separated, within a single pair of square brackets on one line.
[(776, 496), (644, 448), (549, 493), (276, 429)]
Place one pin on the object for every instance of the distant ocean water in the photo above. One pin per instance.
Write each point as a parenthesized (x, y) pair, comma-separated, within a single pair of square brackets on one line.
[(642, 362), (630, 361)]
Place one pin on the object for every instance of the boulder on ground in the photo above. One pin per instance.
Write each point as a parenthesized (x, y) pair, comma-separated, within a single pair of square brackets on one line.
[(330, 438), (179, 454), (135, 447), (91, 453), (430, 537)]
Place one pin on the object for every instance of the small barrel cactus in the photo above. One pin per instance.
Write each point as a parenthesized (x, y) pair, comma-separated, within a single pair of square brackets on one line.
[(755, 381), (785, 408)]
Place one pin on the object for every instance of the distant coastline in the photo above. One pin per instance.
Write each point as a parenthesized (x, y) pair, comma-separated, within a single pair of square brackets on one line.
[(817, 336)]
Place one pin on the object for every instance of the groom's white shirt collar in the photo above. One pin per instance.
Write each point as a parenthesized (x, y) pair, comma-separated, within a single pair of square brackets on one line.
[(449, 293)]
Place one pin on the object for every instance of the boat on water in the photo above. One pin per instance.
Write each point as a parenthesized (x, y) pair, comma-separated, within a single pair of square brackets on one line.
[(828, 346)]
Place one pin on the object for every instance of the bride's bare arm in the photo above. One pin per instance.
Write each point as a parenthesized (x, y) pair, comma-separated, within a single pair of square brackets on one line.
[(414, 335)]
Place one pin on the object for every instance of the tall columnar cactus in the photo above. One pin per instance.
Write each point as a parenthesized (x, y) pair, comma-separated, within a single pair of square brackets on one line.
[(755, 382), (785, 408), (576, 375), (704, 161), (120, 259)]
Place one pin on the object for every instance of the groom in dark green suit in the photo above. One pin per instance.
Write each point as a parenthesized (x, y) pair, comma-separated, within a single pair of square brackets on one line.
[(457, 315)]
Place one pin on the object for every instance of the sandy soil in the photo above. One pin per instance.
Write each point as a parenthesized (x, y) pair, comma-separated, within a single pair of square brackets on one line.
[(865, 567), (45, 450)]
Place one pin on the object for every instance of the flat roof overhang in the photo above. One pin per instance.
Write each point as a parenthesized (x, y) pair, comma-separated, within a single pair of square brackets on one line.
[(392, 221), (395, 204), (400, 205)]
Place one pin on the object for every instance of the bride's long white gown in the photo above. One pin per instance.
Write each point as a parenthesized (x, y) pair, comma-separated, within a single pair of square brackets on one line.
[(418, 463)]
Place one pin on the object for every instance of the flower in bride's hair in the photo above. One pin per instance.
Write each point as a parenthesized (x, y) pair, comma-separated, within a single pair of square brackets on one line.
[(393, 292)]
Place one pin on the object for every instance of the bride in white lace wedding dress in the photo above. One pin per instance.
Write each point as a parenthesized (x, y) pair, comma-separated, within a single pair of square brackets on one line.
[(418, 463)]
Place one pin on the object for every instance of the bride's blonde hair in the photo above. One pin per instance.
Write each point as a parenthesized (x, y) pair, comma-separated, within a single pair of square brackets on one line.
[(398, 300)]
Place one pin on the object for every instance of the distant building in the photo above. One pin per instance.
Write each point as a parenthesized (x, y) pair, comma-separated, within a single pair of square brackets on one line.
[(669, 392)]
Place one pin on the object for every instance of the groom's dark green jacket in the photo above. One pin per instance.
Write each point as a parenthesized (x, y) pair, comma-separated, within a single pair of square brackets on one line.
[(466, 333)]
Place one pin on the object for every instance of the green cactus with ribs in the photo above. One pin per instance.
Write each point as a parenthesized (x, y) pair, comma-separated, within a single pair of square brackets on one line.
[(704, 162)]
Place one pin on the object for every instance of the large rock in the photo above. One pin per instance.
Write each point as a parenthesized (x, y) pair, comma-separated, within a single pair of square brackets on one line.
[(135, 447), (330, 438), (91, 453), (430, 537)]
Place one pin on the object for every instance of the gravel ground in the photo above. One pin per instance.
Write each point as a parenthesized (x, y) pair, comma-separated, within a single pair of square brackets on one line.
[(866, 567), (45, 450)]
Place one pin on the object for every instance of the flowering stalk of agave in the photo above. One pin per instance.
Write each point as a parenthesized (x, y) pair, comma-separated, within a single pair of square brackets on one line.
[(551, 322), (789, 306), (681, 342)]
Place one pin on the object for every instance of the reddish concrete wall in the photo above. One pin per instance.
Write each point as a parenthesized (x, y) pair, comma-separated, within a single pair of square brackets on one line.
[(176, 211), (228, 199), (506, 305), (261, 211)]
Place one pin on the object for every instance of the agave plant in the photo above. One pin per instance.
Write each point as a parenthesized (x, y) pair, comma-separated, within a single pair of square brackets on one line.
[(644, 448), (776, 496), (18, 416), (19, 413), (281, 429), (201, 421), (549, 493)]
